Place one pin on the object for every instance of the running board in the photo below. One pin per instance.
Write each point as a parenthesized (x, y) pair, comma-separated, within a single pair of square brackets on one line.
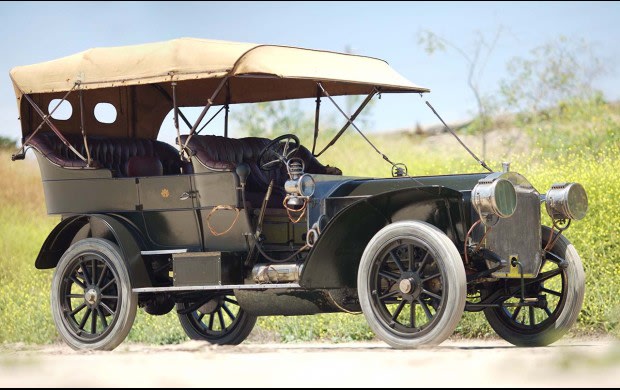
[(218, 287), (163, 252)]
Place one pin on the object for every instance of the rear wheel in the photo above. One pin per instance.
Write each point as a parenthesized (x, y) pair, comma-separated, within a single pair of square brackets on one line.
[(411, 284), (92, 303), (559, 287), (218, 320)]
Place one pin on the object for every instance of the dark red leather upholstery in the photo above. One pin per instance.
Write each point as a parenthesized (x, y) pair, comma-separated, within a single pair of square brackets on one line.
[(224, 154), (144, 166), (110, 153)]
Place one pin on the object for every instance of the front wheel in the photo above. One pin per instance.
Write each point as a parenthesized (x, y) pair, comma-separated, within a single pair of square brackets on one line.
[(559, 289), (218, 320), (411, 284), (92, 303)]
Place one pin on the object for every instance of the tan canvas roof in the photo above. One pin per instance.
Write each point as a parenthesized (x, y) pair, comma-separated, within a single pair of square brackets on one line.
[(190, 58), (137, 81)]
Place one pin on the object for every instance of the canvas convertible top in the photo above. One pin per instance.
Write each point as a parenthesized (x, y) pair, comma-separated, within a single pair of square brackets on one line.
[(196, 59), (136, 78)]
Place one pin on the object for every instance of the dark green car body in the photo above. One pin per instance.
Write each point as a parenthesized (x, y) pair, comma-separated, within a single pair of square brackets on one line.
[(228, 229)]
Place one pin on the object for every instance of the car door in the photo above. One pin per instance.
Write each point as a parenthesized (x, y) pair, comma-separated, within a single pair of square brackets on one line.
[(169, 210), (225, 222)]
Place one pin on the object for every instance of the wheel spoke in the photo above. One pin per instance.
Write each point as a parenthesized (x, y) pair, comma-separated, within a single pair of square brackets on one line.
[(389, 275), (102, 275), (221, 319), (77, 309), (431, 277), (106, 308), (75, 296), (398, 310), (412, 314), (201, 316), (76, 281), (426, 309), (557, 294), (410, 249), (93, 323), (532, 321), (85, 318), (543, 276), (87, 278), (430, 294), (547, 275), (388, 295), (103, 320), (93, 267), (554, 258), (399, 264), (227, 310), (229, 300), (211, 316), (515, 313), (549, 313), (114, 297), (107, 285), (423, 263)]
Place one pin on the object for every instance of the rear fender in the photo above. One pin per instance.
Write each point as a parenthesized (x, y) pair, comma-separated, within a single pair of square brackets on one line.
[(334, 259), (119, 231)]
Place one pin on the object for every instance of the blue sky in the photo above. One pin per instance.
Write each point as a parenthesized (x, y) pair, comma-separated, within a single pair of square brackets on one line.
[(39, 31)]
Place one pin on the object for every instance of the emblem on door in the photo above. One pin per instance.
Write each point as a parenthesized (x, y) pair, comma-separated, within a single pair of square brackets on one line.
[(165, 193)]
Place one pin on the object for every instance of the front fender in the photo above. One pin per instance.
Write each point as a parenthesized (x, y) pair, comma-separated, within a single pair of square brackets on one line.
[(75, 228), (334, 259)]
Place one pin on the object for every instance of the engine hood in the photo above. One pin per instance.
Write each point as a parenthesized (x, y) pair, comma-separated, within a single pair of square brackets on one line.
[(364, 187)]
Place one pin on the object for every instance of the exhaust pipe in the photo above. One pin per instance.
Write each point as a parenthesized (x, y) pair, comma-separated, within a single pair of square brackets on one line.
[(276, 273)]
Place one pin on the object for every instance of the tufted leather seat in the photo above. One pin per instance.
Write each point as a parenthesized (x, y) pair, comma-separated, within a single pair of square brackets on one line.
[(144, 166), (224, 154), (111, 153)]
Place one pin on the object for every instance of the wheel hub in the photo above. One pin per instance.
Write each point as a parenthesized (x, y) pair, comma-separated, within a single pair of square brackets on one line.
[(91, 296), (405, 286), (410, 286)]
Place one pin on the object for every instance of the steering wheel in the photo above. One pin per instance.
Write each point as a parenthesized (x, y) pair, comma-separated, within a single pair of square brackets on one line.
[(277, 152)]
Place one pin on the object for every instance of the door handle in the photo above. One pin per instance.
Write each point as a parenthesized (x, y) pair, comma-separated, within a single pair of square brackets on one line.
[(188, 194)]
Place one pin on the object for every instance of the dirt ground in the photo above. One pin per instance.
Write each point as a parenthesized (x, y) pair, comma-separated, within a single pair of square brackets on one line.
[(459, 363)]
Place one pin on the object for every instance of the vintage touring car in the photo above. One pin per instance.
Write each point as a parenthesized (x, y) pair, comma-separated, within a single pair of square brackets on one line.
[(224, 230)]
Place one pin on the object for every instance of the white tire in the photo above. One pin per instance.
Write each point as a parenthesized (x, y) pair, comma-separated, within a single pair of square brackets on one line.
[(420, 301), (92, 302)]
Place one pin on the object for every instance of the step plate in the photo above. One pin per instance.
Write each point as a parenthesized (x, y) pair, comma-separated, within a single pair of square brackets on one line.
[(197, 269)]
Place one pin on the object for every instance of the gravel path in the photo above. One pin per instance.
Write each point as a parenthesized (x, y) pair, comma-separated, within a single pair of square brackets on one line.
[(461, 363)]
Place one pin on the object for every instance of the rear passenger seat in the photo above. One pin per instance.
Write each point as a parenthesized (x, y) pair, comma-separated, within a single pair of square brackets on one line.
[(125, 157)]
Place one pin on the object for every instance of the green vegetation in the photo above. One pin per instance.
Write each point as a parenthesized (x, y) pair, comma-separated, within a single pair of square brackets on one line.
[(578, 141), (7, 143)]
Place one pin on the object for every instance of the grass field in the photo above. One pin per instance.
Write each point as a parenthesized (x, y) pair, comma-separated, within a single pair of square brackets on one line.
[(577, 142)]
